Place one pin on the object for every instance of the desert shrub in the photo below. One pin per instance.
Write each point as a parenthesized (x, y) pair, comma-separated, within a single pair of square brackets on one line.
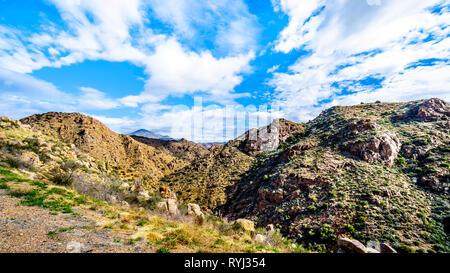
[(64, 174), (62, 179), (163, 249), (13, 162), (155, 198)]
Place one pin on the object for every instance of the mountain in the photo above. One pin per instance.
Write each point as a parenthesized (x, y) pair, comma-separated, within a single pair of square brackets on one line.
[(182, 149), (209, 145), (119, 154), (205, 180), (55, 198), (149, 134), (373, 172)]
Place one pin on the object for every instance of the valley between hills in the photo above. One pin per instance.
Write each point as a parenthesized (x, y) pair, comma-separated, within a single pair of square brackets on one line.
[(367, 178)]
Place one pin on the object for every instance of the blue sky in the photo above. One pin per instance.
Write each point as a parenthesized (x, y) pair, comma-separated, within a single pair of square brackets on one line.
[(152, 63)]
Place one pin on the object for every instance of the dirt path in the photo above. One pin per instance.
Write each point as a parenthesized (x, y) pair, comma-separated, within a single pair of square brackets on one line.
[(35, 229)]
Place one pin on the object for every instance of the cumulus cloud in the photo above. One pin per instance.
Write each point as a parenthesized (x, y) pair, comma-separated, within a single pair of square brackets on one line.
[(94, 99), (228, 23), (121, 31), (361, 51), (23, 95), (174, 70)]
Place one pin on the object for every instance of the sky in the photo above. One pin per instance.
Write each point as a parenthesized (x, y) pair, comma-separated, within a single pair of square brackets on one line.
[(209, 70)]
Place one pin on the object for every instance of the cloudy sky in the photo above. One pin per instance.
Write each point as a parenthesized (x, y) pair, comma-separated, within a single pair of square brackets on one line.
[(208, 70)]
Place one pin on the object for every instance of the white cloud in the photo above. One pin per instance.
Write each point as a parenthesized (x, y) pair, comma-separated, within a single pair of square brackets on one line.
[(350, 41), (23, 95), (118, 125), (176, 71), (228, 23), (121, 31), (94, 99)]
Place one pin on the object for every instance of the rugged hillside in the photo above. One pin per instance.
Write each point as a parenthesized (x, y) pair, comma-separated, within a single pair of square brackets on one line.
[(267, 138), (116, 153), (376, 171), (52, 199), (204, 181), (182, 149)]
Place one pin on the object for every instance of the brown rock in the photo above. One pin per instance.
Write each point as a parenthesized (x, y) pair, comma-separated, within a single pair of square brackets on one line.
[(194, 209), (384, 148), (350, 245), (172, 206), (385, 248), (433, 109)]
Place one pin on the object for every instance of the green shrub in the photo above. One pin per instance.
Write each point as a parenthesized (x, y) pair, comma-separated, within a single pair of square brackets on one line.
[(62, 179), (163, 249), (64, 175), (13, 162)]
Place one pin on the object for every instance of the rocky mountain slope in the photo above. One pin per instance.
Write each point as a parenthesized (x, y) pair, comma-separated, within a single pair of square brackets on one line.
[(374, 172), (204, 181), (115, 153), (182, 149), (54, 197)]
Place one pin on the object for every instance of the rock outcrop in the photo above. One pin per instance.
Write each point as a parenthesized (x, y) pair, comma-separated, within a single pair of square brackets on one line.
[(267, 138), (383, 148), (350, 245)]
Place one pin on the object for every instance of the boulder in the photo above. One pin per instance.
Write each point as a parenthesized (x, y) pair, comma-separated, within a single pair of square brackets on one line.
[(260, 239), (194, 209), (75, 247), (270, 228), (143, 196), (124, 186), (247, 225), (350, 245), (384, 148), (125, 204), (30, 159), (172, 207), (371, 250), (385, 248), (162, 206)]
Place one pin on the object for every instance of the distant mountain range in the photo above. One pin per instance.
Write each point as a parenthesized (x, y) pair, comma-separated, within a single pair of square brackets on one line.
[(150, 134), (153, 135)]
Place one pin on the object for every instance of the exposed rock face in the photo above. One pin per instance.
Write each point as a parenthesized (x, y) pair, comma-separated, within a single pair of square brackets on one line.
[(194, 209), (384, 148), (361, 125), (350, 245), (268, 138), (433, 109), (385, 248)]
